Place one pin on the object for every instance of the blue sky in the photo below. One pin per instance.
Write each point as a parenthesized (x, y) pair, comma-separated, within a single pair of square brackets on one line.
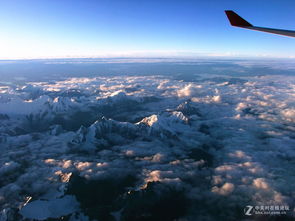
[(106, 28)]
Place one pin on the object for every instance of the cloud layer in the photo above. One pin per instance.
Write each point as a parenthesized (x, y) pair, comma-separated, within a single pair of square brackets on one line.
[(217, 143)]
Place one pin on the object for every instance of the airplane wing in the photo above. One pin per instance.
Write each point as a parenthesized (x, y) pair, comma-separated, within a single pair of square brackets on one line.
[(237, 21)]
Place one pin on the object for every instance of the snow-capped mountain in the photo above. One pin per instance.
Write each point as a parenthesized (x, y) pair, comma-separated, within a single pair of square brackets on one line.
[(141, 147)]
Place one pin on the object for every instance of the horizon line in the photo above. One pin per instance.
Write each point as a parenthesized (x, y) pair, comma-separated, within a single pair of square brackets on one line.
[(214, 57)]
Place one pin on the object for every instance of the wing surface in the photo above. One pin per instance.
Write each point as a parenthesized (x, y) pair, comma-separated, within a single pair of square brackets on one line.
[(238, 21)]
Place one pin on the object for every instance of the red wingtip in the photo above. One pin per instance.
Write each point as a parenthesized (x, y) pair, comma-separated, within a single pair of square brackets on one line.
[(236, 20)]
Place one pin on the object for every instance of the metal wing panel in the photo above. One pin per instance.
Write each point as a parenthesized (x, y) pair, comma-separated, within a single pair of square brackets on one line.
[(238, 21)]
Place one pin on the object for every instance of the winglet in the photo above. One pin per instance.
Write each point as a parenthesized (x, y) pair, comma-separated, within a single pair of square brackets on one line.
[(236, 20)]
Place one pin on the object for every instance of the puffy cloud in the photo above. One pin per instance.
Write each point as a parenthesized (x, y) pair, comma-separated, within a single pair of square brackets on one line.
[(289, 114), (260, 183), (225, 189)]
